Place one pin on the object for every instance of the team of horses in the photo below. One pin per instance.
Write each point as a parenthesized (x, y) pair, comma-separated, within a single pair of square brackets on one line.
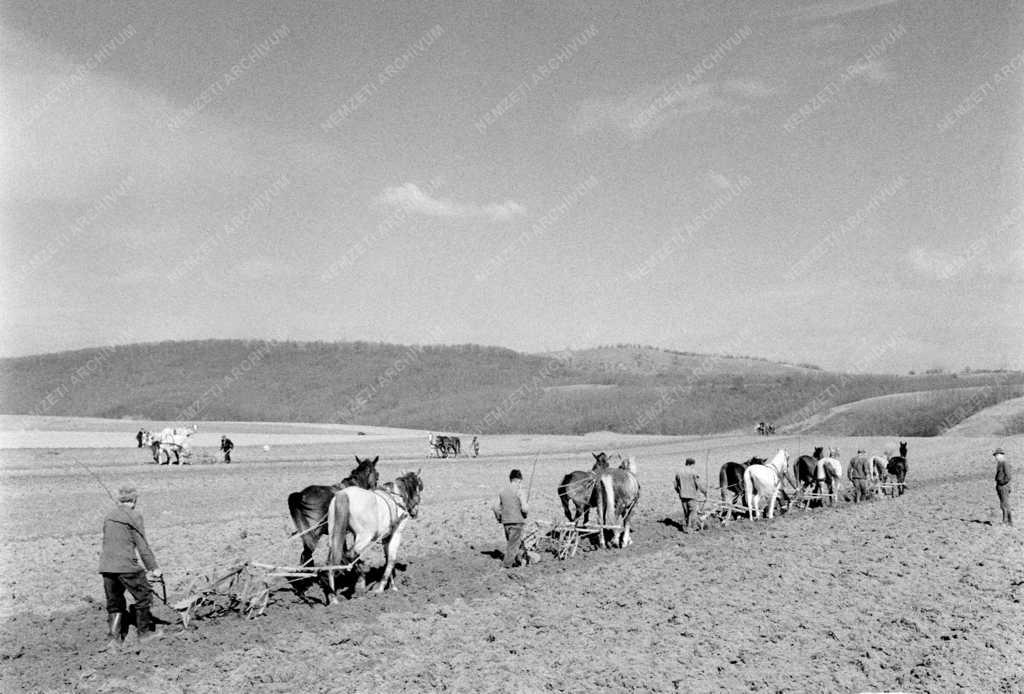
[(357, 512), (171, 441), (612, 492), (443, 445), (353, 514)]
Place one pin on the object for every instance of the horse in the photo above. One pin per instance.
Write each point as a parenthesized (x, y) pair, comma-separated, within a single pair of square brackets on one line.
[(441, 445), (578, 490), (829, 473), (617, 496), (165, 444), (730, 478), (897, 467), (805, 470), (358, 517), (765, 479), (308, 510), (877, 465)]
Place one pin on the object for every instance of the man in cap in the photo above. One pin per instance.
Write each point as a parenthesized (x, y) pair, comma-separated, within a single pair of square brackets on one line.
[(859, 473), (226, 446), (1003, 479), (123, 537), (689, 487), (511, 513)]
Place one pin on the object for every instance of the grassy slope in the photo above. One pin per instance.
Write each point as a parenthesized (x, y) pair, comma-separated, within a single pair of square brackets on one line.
[(1003, 419), (461, 388), (922, 413)]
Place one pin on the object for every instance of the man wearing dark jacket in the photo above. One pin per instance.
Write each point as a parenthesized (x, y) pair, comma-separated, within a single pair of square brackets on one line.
[(859, 473), (511, 513), (1003, 479), (123, 537), (689, 488), (226, 446)]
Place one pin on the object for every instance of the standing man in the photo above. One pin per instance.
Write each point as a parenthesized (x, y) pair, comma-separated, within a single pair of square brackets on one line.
[(859, 472), (511, 513), (1003, 479), (689, 487), (476, 447), (123, 537), (226, 446)]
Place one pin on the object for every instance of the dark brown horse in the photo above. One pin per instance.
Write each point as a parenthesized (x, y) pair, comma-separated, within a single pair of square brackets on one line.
[(308, 510), (578, 490), (897, 467), (730, 479), (805, 470)]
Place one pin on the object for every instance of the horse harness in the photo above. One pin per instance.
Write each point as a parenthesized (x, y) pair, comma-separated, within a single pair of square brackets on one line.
[(394, 506)]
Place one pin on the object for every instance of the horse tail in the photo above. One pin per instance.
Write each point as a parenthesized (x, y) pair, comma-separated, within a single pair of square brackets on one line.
[(337, 528), (563, 496), (748, 491), (607, 498), (723, 481)]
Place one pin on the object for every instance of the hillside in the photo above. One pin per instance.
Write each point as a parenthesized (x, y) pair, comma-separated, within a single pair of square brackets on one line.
[(642, 360), (921, 413), (465, 388), (1003, 419)]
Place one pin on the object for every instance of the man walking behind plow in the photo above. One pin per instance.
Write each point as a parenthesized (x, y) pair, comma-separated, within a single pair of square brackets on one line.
[(123, 537), (511, 512), (690, 487)]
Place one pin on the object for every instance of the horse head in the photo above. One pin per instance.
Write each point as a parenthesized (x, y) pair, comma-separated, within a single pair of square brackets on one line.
[(409, 486), (818, 452), (903, 449), (600, 461), (365, 474), (629, 464)]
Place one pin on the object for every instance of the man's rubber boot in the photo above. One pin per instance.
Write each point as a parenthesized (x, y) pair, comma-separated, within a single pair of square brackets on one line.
[(117, 625), (148, 631)]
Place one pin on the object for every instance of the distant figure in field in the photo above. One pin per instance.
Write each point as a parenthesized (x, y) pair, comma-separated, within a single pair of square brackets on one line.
[(139, 436), (689, 487), (1003, 478), (226, 446), (476, 447), (859, 473)]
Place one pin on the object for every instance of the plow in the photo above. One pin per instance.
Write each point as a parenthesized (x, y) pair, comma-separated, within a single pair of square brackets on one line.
[(560, 539), (245, 589)]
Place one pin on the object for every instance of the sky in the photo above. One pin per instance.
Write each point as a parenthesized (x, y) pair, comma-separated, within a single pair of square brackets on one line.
[(834, 182)]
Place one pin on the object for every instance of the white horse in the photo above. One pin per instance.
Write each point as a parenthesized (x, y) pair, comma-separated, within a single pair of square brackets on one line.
[(763, 479), (618, 492), (829, 473), (356, 518), (169, 441)]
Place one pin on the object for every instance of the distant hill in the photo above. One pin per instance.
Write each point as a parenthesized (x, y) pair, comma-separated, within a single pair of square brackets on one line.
[(921, 413), (1003, 419), (465, 388), (650, 361)]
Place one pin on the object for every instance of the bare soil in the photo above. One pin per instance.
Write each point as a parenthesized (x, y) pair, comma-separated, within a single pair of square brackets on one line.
[(921, 593)]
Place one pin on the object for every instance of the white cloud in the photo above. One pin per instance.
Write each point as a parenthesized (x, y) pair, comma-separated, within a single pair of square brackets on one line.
[(719, 180), (876, 71), (822, 35), (412, 198), (640, 114), (837, 8), (932, 263)]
